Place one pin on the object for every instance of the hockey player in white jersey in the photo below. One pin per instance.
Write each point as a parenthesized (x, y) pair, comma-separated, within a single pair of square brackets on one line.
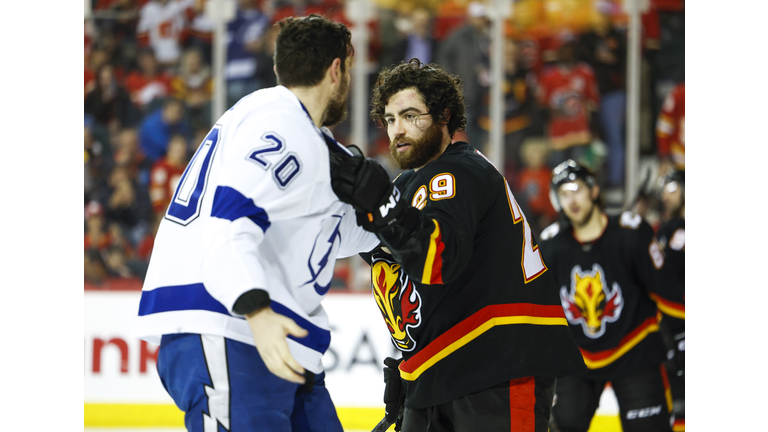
[(247, 247)]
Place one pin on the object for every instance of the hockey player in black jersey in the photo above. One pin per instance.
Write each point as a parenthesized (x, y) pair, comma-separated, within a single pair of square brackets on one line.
[(459, 279), (671, 236), (611, 274)]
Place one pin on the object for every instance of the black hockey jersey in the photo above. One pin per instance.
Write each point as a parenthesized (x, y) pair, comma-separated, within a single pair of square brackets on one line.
[(671, 237), (608, 288), (466, 295)]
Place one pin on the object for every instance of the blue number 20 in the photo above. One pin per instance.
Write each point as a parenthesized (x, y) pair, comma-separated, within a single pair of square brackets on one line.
[(185, 205)]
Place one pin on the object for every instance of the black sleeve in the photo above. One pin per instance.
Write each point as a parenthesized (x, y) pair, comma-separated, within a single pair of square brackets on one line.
[(662, 286)]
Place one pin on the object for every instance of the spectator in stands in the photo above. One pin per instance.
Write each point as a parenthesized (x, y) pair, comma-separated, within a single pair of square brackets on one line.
[(96, 236), (94, 60), (569, 96), (123, 26), (670, 131), (128, 204), (519, 108), (109, 103), (605, 50), (95, 270), (147, 242), (166, 174), (128, 154), (98, 156), (466, 53), (245, 39), (120, 265), (265, 58), (532, 184), (199, 31), (148, 84), (156, 129), (194, 86), (417, 42), (161, 26)]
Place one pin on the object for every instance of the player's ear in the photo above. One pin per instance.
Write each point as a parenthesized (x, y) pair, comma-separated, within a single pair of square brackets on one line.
[(595, 192), (446, 116), (335, 71)]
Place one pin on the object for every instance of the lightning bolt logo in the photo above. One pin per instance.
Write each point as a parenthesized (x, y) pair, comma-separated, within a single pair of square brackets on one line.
[(215, 352)]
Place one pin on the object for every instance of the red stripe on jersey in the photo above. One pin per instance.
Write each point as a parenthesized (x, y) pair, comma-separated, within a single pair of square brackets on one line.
[(437, 264), (667, 388), (600, 355), (474, 321), (522, 400)]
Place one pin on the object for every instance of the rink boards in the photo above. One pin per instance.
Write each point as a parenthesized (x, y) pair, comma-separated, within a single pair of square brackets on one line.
[(122, 388)]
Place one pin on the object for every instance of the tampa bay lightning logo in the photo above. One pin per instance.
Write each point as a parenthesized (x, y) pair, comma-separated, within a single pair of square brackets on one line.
[(326, 244)]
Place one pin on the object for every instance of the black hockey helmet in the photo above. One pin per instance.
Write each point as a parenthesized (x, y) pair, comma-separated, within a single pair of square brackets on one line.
[(567, 172), (674, 176), (672, 181)]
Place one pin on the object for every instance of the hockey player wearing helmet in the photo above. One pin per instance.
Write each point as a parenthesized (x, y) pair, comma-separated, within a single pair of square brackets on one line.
[(672, 240), (612, 274)]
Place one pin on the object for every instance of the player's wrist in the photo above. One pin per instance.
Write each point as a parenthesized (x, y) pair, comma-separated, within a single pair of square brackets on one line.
[(251, 302)]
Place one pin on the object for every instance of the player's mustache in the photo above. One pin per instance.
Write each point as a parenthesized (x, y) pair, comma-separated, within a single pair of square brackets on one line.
[(401, 139)]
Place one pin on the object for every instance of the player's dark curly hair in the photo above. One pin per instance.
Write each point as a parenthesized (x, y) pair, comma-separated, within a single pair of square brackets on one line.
[(438, 90), (306, 47)]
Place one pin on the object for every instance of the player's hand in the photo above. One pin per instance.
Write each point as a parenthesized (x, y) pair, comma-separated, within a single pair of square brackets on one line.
[(394, 392), (365, 184), (270, 330)]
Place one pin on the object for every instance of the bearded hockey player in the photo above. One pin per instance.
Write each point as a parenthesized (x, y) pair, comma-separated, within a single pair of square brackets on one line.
[(461, 284), (609, 270)]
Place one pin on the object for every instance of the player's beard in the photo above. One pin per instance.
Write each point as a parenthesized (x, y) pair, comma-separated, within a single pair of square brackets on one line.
[(587, 217), (336, 111), (421, 151)]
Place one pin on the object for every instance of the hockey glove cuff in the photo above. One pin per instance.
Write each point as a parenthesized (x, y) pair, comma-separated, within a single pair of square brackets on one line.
[(365, 184), (251, 301)]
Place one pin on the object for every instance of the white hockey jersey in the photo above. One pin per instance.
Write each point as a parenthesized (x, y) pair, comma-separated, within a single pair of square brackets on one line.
[(254, 209)]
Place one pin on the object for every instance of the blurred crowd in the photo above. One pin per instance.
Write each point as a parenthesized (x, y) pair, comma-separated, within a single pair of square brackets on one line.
[(149, 89)]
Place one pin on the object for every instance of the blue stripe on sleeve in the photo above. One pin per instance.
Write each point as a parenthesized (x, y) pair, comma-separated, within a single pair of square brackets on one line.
[(318, 339), (231, 205), (179, 298)]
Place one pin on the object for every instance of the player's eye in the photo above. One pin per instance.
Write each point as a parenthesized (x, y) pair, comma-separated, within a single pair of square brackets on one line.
[(389, 120), (410, 117)]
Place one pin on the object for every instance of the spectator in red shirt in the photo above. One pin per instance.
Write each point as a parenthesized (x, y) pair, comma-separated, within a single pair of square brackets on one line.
[(148, 83), (569, 95), (166, 173)]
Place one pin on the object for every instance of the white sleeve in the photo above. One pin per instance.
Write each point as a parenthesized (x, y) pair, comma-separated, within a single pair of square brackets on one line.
[(145, 20), (249, 197), (354, 239)]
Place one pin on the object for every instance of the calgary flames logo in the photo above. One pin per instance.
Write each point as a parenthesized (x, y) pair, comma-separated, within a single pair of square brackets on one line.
[(590, 303), (398, 300)]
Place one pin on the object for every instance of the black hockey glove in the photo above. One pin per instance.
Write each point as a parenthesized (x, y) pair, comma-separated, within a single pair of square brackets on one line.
[(365, 184), (394, 392)]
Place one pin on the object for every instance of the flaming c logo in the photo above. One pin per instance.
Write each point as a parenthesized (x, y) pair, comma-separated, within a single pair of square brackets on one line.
[(590, 303), (398, 300)]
